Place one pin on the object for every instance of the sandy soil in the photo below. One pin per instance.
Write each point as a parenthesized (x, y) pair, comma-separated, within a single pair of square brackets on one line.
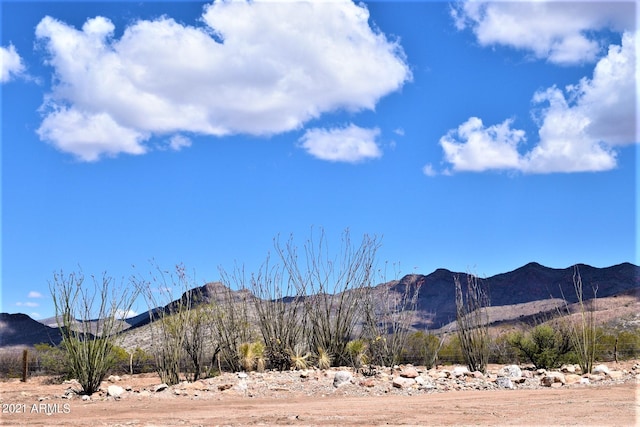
[(37, 403)]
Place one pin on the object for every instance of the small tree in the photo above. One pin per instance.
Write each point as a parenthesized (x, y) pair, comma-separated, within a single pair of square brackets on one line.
[(89, 320), (543, 346), (473, 322)]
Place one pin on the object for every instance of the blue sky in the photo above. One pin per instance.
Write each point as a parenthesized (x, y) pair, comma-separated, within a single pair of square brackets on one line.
[(468, 136)]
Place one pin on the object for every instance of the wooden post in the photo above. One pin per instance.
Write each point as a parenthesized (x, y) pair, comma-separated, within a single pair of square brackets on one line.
[(25, 364)]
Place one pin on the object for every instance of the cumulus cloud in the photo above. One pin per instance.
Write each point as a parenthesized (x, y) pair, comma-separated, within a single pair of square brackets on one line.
[(34, 294), (560, 32), (474, 147), (178, 142), (580, 126), (350, 144), (11, 64), (255, 68), (121, 314)]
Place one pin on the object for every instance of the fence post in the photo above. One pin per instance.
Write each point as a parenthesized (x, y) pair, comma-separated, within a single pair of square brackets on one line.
[(25, 364)]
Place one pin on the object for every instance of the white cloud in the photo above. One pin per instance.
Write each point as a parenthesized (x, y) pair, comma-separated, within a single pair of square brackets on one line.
[(350, 144), (561, 32), (121, 314), (254, 68), (178, 142), (429, 170), (34, 294), (474, 147), (27, 304), (11, 64), (579, 128)]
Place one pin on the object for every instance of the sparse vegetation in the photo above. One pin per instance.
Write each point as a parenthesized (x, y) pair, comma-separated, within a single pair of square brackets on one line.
[(389, 314), (543, 345), (583, 331), (333, 287), (89, 344), (473, 322)]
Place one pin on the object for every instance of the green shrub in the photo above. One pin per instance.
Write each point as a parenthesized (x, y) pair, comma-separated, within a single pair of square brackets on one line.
[(52, 360), (422, 348), (451, 351), (543, 346)]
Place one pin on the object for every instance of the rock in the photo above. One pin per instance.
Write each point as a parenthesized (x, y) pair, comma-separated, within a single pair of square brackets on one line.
[(115, 391), (600, 369), (113, 378), (569, 369), (242, 375), (341, 378), (402, 382), (459, 371), (595, 378), (552, 378), (223, 387), (572, 378), (160, 387), (504, 382), (584, 380), (86, 398), (369, 382), (409, 372), (510, 371)]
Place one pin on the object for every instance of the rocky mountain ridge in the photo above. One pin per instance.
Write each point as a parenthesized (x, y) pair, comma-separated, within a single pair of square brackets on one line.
[(527, 291)]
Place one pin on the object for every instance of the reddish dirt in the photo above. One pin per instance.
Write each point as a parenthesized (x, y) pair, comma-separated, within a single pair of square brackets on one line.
[(615, 405)]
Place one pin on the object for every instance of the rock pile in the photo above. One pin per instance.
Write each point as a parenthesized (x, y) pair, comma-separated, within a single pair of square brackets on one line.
[(403, 380)]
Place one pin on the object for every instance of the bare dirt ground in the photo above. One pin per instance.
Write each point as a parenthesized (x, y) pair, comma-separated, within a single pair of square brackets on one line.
[(287, 400)]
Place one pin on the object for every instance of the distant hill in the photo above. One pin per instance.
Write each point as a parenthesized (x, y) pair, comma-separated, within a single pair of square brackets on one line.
[(20, 330), (526, 291), (532, 282)]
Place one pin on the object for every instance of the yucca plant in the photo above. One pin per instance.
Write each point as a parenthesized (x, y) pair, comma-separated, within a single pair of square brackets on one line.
[(357, 353), (298, 359), (324, 358)]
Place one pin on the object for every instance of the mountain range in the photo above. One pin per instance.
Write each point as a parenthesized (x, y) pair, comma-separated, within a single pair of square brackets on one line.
[(529, 291)]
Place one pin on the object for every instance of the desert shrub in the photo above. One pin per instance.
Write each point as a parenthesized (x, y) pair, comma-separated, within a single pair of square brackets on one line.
[(472, 322), (388, 317), (333, 287), (89, 343), (543, 345), (51, 360), (323, 358), (614, 345), (583, 330), (422, 348), (502, 352), (451, 351), (142, 361), (11, 364), (357, 353), (251, 356)]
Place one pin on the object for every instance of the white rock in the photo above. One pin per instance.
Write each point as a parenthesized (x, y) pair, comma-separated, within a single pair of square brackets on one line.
[(341, 378), (504, 382), (601, 369), (459, 371), (114, 391), (510, 371), (242, 375)]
